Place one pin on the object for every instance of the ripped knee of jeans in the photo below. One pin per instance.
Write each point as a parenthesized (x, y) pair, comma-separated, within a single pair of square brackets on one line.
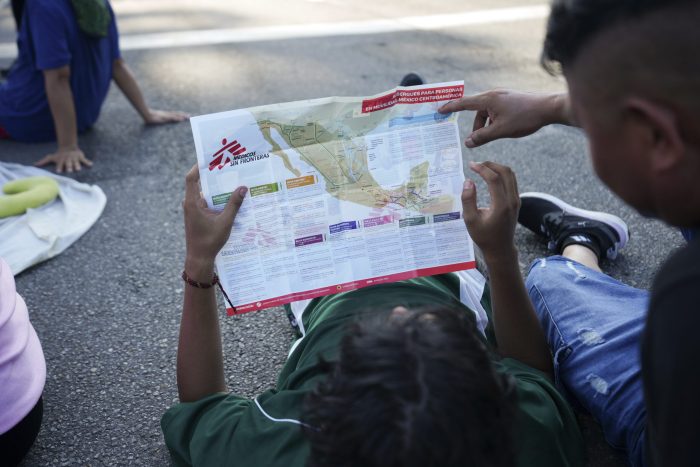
[(598, 384), (590, 337), (579, 274)]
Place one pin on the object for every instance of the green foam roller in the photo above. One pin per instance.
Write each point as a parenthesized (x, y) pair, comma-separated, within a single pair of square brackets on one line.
[(27, 193)]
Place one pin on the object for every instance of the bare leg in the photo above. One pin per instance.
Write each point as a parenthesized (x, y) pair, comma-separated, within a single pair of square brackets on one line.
[(583, 255)]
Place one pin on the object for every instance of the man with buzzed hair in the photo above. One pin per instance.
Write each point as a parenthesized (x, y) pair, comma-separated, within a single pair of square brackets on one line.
[(633, 78)]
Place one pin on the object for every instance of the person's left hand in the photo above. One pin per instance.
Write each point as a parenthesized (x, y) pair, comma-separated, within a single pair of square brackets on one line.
[(493, 228), (206, 231), (159, 117)]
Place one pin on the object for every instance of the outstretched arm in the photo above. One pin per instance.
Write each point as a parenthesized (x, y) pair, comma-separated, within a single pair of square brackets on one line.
[(60, 97), (124, 78), (200, 367), (517, 329), (511, 114)]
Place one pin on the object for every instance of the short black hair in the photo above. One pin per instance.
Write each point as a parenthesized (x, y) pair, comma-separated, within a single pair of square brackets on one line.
[(414, 391), (572, 23)]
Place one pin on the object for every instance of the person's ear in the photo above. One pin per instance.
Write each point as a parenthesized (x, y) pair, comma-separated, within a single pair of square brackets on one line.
[(659, 126)]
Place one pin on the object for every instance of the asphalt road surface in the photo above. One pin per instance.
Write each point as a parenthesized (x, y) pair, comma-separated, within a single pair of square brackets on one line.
[(107, 309)]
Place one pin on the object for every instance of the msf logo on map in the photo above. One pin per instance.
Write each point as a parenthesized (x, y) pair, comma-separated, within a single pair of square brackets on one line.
[(234, 149)]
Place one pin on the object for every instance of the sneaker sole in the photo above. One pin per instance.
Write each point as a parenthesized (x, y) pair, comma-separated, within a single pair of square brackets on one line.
[(613, 221)]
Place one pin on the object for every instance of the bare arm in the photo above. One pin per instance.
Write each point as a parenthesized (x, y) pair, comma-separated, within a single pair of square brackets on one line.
[(517, 329), (126, 82), (200, 368), (511, 114), (60, 97)]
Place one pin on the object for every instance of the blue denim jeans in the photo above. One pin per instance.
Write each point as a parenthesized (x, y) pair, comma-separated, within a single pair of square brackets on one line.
[(593, 324)]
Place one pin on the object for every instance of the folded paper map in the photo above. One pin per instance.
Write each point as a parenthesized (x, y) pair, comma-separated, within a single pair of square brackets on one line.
[(343, 193)]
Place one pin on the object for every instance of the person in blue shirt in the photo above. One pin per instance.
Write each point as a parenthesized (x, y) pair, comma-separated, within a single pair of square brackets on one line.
[(60, 80)]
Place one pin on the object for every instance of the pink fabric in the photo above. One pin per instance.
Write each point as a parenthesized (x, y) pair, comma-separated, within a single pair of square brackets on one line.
[(22, 365)]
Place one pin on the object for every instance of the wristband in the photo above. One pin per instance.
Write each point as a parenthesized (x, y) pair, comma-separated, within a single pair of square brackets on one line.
[(199, 285), (202, 285)]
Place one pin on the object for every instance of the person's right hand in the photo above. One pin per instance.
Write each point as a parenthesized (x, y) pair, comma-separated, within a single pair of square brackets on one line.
[(493, 228), (206, 231), (69, 159), (509, 114)]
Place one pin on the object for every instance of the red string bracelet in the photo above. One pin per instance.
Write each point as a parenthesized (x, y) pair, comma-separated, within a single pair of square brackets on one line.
[(203, 285)]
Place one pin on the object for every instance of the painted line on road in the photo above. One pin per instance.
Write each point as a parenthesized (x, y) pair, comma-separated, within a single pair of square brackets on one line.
[(302, 31)]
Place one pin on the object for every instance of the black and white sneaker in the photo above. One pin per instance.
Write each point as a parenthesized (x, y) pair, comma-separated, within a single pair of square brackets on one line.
[(562, 225), (412, 79)]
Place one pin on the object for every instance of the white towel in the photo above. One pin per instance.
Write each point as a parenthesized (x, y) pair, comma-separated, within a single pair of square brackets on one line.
[(48, 230)]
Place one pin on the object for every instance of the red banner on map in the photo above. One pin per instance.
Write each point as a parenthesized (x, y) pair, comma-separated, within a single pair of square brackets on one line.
[(413, 96), (346, 287)]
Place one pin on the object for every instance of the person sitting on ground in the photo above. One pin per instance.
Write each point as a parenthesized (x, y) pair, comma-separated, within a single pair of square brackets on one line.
[(68, 55), (632, 74), (592, 322), (22, 374), (389, 375)]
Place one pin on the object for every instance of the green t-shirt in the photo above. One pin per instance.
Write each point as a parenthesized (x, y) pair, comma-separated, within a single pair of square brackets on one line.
[(225, 429)]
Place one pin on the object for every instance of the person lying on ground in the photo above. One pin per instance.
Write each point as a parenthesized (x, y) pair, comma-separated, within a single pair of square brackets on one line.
[(632, 74), (390, 375), (68, 56)]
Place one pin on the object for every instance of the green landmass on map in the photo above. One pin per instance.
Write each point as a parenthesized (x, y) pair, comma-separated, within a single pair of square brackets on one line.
[(344, 164)]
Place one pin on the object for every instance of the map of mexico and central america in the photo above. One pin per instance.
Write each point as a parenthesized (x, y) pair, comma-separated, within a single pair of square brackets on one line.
[(399, 169)]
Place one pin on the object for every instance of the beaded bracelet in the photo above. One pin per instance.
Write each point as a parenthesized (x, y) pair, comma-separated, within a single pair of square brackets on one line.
[(202, 285)]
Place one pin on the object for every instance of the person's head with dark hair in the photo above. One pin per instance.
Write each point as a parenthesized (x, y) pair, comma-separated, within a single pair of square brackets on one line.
[(634, 81), (415, 389)]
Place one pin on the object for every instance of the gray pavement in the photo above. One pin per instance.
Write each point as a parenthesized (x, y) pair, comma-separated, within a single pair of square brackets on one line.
[(107, 310)]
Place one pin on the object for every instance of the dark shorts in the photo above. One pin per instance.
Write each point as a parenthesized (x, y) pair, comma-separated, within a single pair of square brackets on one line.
[(4, 134), (15, 444)]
